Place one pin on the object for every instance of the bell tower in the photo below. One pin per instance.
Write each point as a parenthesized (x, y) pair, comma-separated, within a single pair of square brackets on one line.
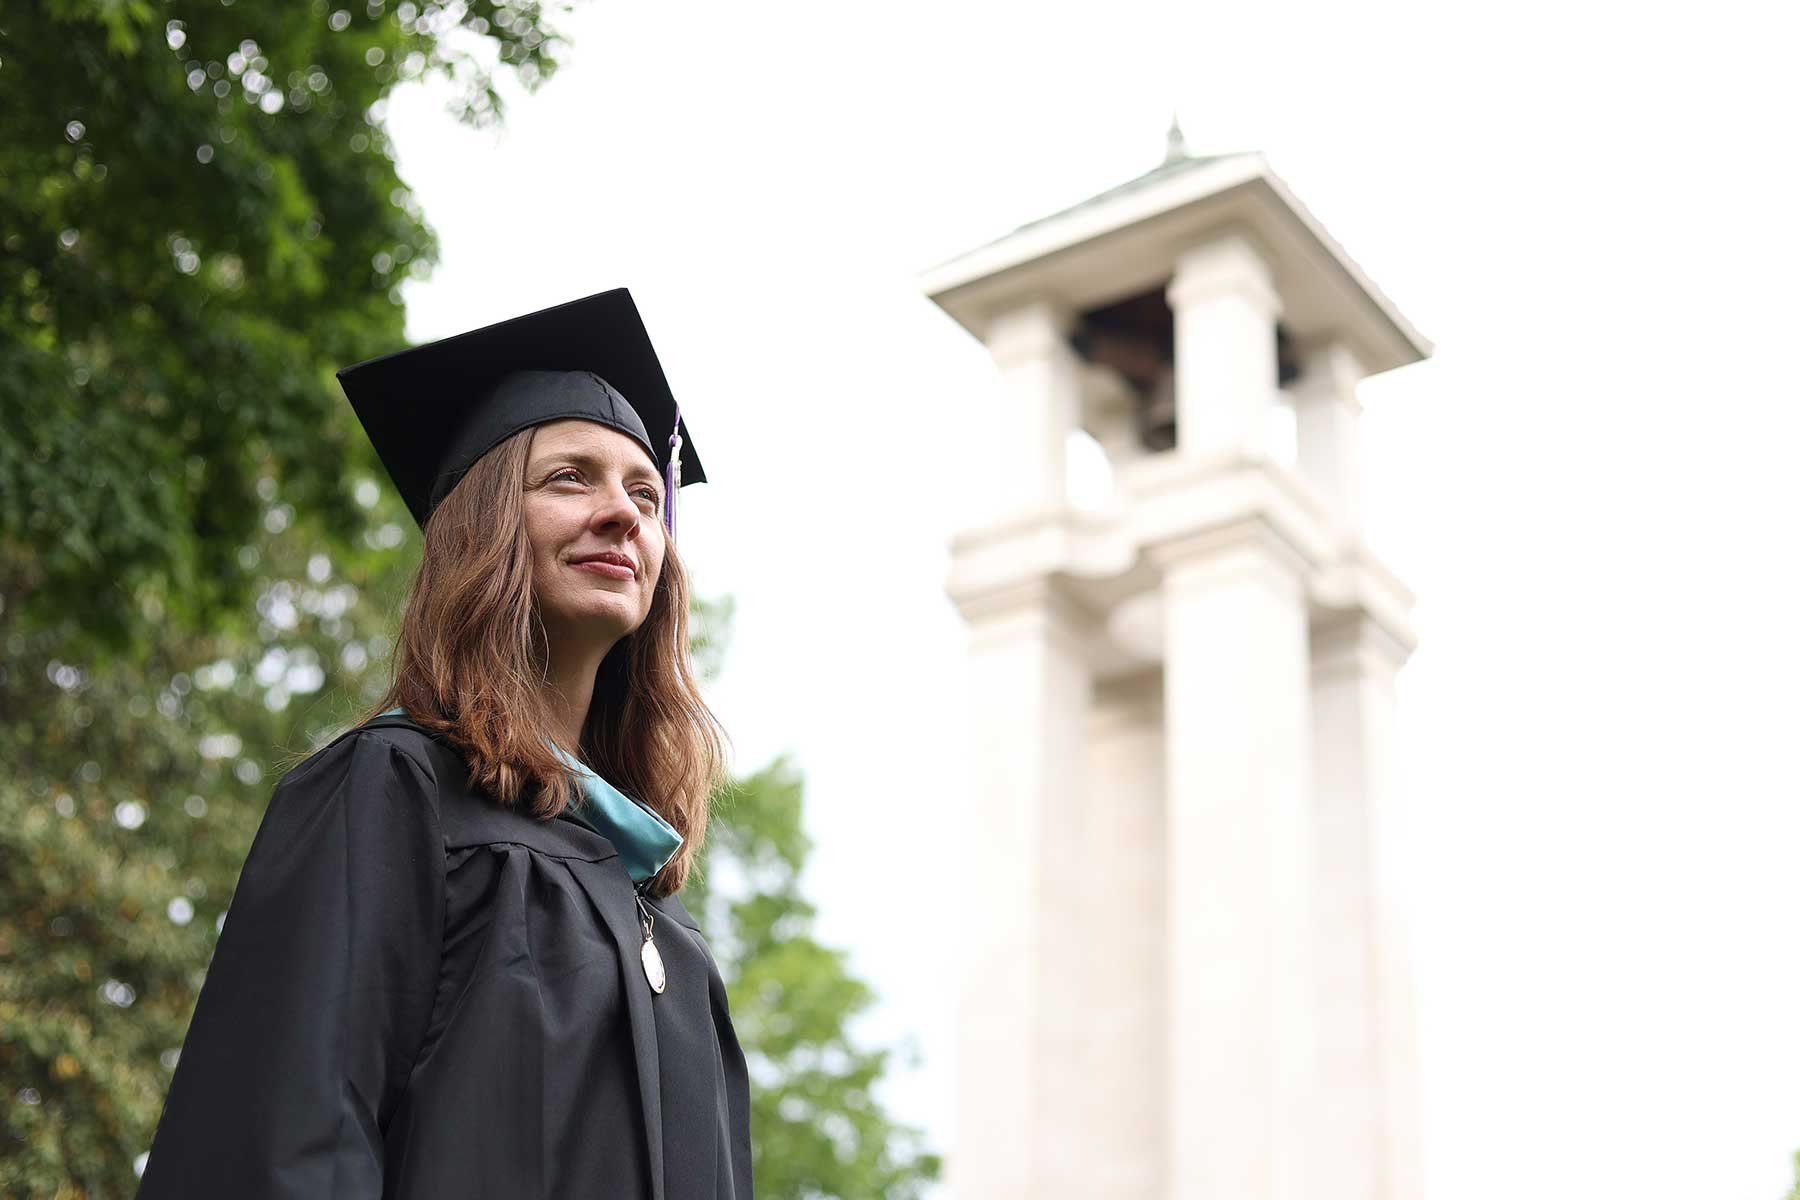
[(1186, 971)]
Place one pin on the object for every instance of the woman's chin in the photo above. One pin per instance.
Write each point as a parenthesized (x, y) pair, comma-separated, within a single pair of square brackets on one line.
[(600, 613)]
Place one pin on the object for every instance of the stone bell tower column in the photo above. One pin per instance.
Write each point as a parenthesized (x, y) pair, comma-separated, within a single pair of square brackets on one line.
[(1038, 371), (1360, 638), (1236, 694), (1225, 305), (1238, 865), (1019, 1046)]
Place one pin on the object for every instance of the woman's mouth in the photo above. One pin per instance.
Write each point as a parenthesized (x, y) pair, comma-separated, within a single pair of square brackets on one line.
[(612, 566)]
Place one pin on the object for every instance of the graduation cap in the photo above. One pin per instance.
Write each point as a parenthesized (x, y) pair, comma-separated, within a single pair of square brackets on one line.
[(431, 411)]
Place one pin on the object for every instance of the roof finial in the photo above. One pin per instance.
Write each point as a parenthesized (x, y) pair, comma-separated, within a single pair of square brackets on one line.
[(1177, 148)]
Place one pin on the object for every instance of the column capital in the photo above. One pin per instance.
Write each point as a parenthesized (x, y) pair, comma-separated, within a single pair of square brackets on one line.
[(1329, 372), (1357, 589), (1247, 547), (1035, 329), (1356, 644), (1038, 604), (1231, 264)]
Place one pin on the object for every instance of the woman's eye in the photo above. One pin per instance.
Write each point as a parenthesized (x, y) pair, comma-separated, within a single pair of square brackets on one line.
[(643, 491)]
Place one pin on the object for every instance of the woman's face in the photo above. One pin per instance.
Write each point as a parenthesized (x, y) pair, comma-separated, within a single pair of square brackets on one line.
[(593, 513)]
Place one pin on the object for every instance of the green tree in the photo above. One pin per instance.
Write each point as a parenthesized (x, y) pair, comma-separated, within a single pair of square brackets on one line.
[(200, 218), (134, 789), (819, 1130)]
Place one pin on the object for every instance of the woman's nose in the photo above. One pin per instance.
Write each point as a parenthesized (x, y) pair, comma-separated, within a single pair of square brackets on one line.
[(616, 507)]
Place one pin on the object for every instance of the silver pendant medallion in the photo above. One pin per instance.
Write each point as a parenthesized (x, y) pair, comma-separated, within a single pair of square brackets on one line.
[(653, 966)]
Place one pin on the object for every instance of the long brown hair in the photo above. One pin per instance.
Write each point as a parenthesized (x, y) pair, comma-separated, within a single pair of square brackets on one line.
[(470, 665)]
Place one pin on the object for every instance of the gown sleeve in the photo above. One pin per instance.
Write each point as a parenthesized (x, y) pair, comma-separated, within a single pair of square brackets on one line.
[(319, 992)]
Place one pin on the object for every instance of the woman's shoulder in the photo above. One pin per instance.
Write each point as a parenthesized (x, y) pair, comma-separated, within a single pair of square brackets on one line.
[(432, 751), (359, 749), (469, 817)]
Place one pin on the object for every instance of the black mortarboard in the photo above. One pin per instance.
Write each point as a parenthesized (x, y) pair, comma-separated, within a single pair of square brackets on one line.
[(431, 411)]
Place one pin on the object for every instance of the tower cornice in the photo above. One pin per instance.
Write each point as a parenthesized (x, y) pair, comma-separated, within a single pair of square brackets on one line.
[(1124, 240)]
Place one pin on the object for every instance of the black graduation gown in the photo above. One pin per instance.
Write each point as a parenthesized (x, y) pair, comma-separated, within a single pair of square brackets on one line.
[(418, 993)]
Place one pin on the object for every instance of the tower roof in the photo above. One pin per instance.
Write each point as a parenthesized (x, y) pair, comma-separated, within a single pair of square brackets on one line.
[(1126, 239), (1168, 167)]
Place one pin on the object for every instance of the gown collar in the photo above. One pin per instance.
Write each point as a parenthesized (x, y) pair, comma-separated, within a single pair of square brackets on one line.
[(645, 841)]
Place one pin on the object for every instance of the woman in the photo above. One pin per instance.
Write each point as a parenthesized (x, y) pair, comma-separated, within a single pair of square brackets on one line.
[(456, 964)]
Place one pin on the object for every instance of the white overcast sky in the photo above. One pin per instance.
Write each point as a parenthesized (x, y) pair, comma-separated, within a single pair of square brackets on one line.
[(1590, 209)]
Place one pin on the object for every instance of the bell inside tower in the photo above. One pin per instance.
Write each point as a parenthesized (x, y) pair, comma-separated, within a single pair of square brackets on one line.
[(1135, 338)]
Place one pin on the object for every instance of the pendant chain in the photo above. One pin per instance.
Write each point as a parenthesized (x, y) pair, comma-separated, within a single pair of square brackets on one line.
[(645, 917), (651, 957)]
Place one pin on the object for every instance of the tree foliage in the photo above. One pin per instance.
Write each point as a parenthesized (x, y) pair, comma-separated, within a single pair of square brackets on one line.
[(200, 217), (820, 1129), (138, 786)]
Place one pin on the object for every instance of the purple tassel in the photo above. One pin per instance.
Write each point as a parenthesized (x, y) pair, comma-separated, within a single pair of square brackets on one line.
[(672, 474)]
